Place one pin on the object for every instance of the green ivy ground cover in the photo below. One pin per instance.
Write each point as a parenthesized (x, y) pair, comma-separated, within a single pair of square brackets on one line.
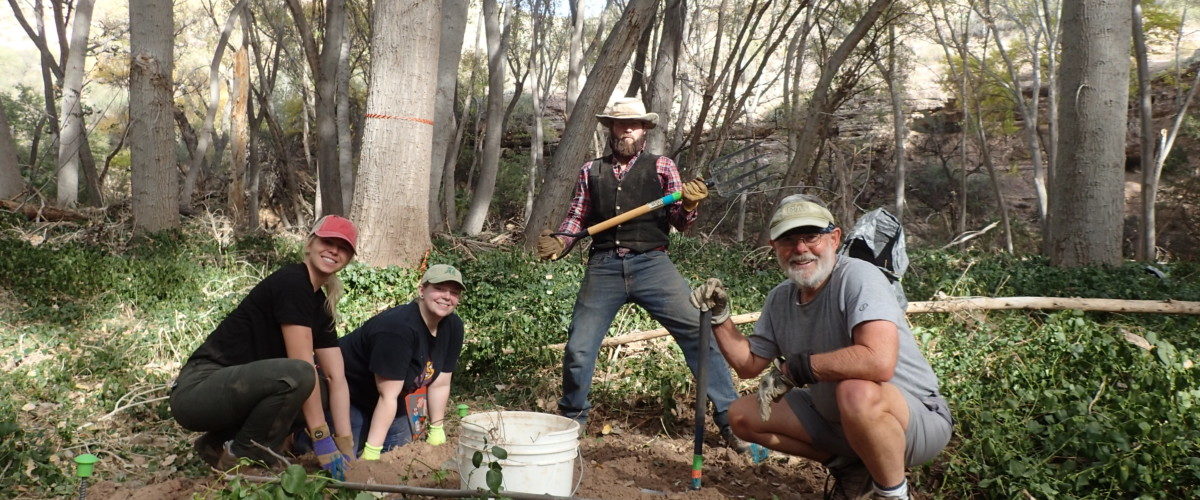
[(1059, 404)]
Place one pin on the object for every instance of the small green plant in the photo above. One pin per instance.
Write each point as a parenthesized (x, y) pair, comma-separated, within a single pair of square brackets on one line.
[(495, 473), (294, 482)]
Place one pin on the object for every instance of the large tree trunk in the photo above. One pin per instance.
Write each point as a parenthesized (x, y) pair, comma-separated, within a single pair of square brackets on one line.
[(453, 26), (11, 182), (1146, 248), (154, 179), (345, 137), (574, 147), (485, 186), (323, 64), (392, 194), (661, 93), (73, 133), (239, 127), (1086, 205)]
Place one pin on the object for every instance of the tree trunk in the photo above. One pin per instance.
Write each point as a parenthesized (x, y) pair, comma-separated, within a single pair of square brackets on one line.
[(1087, 201), (345, 138), (73, 133), (575, 56), (1050, 25), (638, 71), (154, 179), (214, 98), (813, 130), (574, 147), (1146, 248), (453, 26), (540, 11), (392, 194), (485, 186), (11, 182), (239, 127), (323, 64), (661, 94)]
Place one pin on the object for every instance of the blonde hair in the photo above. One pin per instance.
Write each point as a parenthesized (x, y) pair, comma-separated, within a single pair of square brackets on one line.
[(333, 287)]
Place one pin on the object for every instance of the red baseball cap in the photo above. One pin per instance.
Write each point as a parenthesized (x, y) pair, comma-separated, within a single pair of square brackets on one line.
[(336, 226)]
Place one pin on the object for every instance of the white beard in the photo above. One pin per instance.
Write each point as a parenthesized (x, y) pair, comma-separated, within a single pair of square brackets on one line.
[(815, 278)]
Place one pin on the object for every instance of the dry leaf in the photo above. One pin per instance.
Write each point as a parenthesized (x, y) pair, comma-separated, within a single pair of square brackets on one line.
[(1137, 340)]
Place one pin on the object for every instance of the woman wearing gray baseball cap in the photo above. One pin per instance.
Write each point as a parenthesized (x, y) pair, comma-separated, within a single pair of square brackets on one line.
[(399, 364)]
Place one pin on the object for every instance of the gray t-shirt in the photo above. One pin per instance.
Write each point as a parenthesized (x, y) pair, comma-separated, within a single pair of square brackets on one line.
[(856, 292)]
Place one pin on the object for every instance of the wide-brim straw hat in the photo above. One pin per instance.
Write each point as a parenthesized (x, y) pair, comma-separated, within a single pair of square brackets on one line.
[(629, 108)]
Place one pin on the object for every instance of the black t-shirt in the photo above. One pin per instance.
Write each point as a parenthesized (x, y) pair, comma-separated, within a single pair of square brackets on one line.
[(253, 331), (395, 344)]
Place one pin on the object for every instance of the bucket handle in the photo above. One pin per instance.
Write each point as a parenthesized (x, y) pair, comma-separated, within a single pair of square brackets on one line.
[(579, 461)]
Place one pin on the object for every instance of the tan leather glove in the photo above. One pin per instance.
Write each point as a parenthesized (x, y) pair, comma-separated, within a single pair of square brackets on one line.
[(771, 388), (345, 444), (711, 296), (548, 246), (694, 191)]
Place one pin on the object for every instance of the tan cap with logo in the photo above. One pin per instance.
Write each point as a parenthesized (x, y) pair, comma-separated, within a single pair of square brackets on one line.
[(441, 273), (796, 211)]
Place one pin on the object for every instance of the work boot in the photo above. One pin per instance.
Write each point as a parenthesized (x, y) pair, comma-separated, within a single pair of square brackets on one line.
[(582, 426), (851, 480), (732, 441)]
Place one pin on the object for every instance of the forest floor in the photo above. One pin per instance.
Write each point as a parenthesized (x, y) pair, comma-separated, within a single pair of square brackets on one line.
[(630, 462)]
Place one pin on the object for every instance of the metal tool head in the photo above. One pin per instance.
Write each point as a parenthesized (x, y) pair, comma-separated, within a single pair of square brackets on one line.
[(737, 172)]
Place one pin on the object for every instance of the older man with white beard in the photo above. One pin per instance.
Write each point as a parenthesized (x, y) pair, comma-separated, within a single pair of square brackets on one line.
[(849, 386)]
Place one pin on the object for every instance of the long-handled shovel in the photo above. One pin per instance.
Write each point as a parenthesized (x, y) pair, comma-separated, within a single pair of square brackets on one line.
[(732, 187), (701, 397)]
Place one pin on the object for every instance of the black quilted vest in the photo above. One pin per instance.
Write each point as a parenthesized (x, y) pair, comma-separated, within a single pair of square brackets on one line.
[(611, 197)]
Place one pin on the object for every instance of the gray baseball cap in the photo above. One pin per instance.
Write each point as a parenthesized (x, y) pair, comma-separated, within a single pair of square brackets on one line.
[(441, 273)]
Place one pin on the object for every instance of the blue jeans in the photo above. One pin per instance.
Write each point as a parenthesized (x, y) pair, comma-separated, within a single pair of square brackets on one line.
[(651, 281), (398, 434)]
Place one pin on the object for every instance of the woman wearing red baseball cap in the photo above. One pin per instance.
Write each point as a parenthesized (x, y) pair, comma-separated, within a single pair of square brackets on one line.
[(254, 375)]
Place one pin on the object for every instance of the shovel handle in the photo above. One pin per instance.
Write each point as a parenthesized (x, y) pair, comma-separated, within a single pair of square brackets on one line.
[(613, 222)]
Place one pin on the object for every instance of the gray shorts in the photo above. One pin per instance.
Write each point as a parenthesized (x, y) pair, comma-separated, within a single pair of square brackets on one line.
[(929, 426)]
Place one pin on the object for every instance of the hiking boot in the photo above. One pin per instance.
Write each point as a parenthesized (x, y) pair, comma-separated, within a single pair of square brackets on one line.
[(582, 426), (732, 441), (851, 481)]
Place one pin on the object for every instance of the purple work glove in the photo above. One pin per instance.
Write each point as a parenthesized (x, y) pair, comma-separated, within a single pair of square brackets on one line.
[(327, 453)]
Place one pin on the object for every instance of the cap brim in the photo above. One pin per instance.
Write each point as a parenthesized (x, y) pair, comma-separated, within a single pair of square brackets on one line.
[(790, 224), (450, 280), (650, 119), (340, 236)]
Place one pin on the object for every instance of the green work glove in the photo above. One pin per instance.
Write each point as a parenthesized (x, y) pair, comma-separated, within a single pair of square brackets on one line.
[(436, 435), (694, 191), (711, 296), (548, 246), (370, 452)]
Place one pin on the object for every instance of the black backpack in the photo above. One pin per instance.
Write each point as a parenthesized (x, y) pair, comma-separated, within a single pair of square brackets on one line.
[(877, 237)]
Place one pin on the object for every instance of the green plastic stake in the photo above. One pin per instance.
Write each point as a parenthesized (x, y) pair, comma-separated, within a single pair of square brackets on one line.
[(462, 410), (84, 464)]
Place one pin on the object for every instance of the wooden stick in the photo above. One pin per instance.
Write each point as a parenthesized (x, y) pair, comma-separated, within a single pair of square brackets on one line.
[(972, 304), (48, 214), (412, 490)]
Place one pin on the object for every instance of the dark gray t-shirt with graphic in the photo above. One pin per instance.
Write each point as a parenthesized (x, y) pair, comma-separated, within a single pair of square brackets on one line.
[(856, 292)]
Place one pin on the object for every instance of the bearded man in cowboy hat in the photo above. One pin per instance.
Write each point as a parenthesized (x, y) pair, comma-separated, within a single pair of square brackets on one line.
[(629, 262)]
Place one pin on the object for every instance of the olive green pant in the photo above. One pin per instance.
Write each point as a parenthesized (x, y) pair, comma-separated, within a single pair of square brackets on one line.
[(252, 404)]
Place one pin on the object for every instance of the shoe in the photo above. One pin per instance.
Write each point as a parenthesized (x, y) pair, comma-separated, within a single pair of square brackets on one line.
[(851, 481), (732, 441), (582, 426), (214, 451)]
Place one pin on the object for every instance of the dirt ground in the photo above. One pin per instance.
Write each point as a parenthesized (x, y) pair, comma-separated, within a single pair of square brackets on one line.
[(626, 464)]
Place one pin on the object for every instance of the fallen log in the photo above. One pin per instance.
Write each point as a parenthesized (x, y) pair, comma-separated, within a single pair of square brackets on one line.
[(48, 214), (972, 304)]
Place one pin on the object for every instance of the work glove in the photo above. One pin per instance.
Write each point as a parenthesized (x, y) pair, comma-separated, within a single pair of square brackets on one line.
[(327, 452), (711, 296), (797, 372), (694, 191), (548, 246), (436, 435), (345, 444), (370, 452)]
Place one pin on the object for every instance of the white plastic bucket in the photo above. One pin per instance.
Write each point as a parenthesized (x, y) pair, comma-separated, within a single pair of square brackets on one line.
[(541, 451)]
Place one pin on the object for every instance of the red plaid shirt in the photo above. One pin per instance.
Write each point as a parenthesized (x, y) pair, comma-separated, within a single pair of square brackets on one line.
[(668, 178)]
